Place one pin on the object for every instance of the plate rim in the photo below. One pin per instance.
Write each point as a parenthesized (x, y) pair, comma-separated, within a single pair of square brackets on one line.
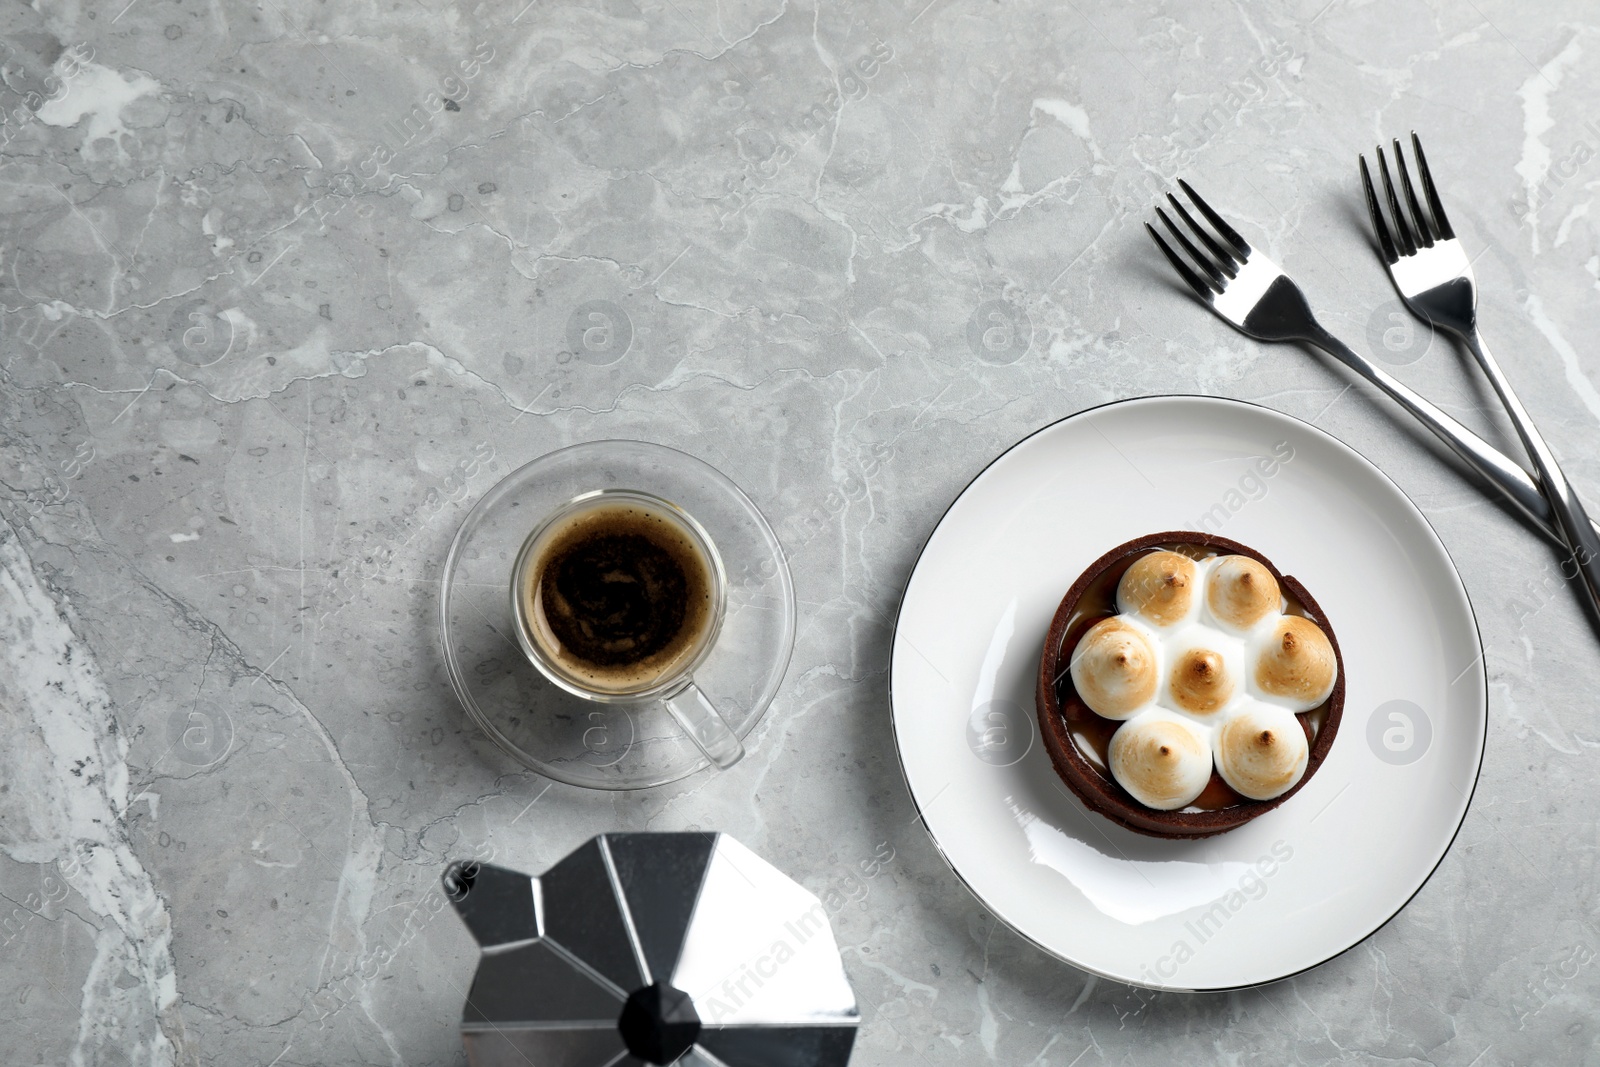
[(894, 725)]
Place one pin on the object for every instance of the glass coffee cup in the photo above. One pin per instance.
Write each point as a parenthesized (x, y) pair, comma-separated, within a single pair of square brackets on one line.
[(618, 596)]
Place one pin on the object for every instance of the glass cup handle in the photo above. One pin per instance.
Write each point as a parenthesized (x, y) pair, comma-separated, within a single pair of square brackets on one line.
[(704, 725)]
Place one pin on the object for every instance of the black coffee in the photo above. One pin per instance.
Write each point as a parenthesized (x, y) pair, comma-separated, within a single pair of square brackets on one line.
[(623, 594)]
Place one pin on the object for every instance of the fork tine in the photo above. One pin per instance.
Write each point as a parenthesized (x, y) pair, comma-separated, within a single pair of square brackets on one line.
[(1420, 221), (1224, 258), (1195, 254), (1408, 246), (1378, 224), (1429, 191), (1198, 284), (1228, 233)]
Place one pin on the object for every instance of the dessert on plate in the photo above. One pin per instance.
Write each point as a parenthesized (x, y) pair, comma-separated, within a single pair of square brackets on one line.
[(1187, 685)]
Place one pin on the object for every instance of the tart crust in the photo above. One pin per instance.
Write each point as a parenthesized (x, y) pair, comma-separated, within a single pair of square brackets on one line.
[(1096, 788)]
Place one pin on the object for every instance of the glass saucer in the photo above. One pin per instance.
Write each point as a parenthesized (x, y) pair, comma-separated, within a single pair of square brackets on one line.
[(583, 742)]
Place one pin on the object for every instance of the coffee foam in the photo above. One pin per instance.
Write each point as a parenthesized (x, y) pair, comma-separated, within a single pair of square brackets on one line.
[(621, 519)]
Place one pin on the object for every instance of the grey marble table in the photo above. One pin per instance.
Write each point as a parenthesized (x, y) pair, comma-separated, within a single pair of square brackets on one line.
[(287, 285)]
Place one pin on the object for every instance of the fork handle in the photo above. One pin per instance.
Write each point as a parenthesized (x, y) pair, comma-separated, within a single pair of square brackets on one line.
[(1577, 529), (1500, 470)]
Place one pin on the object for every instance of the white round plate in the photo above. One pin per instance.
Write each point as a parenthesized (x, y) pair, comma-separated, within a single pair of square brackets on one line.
[(1292, 888)]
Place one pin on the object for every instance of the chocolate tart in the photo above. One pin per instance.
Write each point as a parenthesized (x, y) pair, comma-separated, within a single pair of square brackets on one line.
[(1068, 726)]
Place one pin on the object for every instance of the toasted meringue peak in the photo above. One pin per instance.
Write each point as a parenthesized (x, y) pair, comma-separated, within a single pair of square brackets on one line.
[(1201, 681), (1164, 761), (1296, 662), (1116, 668), (1262, 751), (1241, 592), (1162, 587)]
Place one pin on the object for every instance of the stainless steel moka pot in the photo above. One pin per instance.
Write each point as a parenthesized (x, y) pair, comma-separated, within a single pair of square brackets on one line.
[(651, 948)]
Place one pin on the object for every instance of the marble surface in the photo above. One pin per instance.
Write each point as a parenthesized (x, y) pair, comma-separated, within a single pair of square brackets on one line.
[(286, 286)]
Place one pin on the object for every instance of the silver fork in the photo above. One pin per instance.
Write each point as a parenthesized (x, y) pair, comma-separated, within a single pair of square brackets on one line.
[(1433, 275), (1249, 292)]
